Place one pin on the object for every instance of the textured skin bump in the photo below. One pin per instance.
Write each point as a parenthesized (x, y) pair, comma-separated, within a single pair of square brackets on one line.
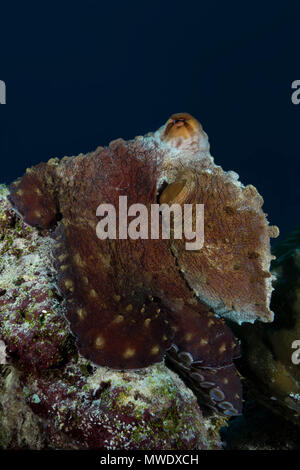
[(128, 301)]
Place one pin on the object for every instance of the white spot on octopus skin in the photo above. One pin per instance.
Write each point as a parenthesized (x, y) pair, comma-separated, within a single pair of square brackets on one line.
[(129, 353)]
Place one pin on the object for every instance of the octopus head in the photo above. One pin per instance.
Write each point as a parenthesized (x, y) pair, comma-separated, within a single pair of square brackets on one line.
[(184, 131)]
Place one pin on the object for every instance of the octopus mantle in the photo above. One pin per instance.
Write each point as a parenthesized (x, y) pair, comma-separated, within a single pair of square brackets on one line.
[(129, 301)]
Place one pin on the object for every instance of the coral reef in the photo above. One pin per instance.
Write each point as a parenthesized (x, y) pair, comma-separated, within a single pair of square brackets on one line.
[(86, 408), (32, 325), (268, 366), (20, 428), (2, 352), (125, 306)]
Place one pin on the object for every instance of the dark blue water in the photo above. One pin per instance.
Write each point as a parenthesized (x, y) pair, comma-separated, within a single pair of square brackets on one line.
[(79, 74)]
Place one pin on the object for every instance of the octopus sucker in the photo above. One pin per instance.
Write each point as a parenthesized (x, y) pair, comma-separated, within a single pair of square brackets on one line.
[(130, 302)]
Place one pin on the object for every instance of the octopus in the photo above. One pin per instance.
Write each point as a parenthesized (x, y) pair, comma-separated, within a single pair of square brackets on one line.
[(129, 302)]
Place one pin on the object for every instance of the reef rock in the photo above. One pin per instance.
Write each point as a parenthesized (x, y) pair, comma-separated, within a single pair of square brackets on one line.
[(2, 352)]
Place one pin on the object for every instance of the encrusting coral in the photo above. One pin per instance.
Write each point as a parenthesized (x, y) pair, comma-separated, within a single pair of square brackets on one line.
[(129, 301)]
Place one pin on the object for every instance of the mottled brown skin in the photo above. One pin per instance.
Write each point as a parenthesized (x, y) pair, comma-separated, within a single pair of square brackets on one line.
[(227, 270), (127, 301)]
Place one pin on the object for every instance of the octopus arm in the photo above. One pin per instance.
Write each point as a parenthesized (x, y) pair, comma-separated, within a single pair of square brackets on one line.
[(34, 197), (203, 352), (116, 322)]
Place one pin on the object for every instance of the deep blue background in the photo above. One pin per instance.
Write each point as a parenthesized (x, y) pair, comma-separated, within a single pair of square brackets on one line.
[(80, 74)]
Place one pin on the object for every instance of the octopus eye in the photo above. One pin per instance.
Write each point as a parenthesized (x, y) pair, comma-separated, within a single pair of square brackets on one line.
[(179, 122), (174, 192), (181, 125)]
